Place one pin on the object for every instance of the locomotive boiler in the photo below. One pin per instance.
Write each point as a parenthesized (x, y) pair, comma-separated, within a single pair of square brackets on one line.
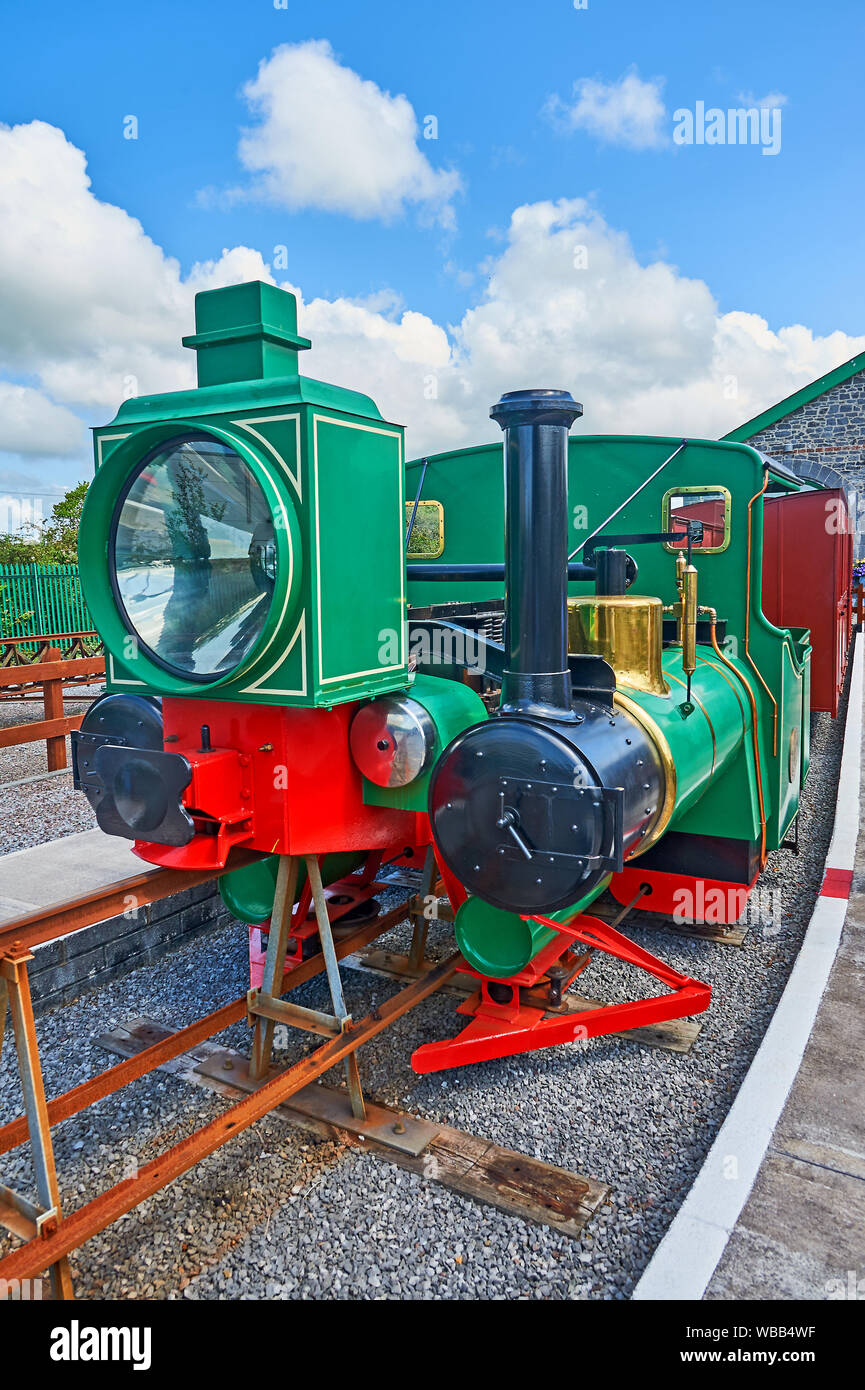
[(283, 680), (535, 809)]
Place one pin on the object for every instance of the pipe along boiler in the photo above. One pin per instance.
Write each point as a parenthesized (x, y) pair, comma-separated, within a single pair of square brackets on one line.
[(267, 692)]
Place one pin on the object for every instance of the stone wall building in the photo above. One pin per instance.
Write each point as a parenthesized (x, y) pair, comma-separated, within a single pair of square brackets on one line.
[(819, 432)]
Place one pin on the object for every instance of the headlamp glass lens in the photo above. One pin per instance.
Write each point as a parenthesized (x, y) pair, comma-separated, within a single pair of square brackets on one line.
[(194, 558)]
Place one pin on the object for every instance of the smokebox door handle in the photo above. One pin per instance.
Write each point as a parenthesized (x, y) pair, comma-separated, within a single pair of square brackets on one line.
[(508, 821)]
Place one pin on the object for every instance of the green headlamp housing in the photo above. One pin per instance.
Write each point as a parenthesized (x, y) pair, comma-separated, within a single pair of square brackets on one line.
[(221, 542), (131, 660)]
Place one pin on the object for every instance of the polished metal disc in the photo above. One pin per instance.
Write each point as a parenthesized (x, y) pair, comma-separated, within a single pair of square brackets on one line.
[(392, 740)]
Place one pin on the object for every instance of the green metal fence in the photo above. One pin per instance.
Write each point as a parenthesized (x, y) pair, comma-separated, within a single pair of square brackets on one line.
[(41, 600)]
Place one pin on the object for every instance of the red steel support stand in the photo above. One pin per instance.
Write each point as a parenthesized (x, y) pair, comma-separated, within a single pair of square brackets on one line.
[(503, 1029)]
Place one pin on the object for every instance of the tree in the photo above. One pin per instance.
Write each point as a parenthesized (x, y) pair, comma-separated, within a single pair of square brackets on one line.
[(183, 521), (57, 541)]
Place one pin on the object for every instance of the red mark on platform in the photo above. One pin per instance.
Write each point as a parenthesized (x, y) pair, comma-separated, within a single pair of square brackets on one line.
[(836, 883)]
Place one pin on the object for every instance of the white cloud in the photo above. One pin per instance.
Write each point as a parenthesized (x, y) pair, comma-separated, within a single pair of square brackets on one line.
[(770, 102), (92, 309), (89, 305), (30, 423), (401, 358), (327, 138), (627, 112), (643, 347)]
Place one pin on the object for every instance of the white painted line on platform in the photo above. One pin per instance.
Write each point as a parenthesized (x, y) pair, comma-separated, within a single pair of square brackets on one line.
[(687, 1257)]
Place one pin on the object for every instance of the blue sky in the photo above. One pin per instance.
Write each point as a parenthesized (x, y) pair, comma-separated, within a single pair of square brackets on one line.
[(776, 237)]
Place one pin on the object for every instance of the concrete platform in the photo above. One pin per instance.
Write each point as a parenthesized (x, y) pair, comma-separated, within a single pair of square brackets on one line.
[(777, 1210), (82, 960), (801, 1233), (65, 868)]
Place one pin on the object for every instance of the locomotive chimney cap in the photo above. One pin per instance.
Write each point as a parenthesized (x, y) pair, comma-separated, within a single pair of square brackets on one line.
[(245, 332), (538, 406)]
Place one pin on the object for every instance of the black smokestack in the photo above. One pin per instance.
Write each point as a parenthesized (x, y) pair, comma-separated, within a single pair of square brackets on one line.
[(536, 424)]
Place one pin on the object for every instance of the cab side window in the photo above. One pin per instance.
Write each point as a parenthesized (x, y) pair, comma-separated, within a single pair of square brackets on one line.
[(428, 533)]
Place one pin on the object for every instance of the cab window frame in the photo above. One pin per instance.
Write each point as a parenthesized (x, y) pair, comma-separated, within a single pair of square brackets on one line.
[(412, 554), (702, 489)]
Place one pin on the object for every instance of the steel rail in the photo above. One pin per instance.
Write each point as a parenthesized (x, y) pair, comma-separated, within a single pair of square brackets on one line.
[(74, 1230), (104, 1084)]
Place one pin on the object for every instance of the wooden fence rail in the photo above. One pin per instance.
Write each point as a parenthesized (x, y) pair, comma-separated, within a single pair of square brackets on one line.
[(52, 671), (20, 651)]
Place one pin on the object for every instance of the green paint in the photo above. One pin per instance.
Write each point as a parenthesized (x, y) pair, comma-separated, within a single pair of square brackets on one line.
[(360, 564), (470, 485), (716, 788), (498, 943), (245, 332), (249, 893)]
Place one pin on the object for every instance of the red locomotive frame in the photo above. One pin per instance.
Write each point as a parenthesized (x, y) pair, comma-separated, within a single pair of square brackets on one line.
[(274, 779)]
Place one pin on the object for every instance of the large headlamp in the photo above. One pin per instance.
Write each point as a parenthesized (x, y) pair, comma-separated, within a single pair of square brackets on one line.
[(192, 557)]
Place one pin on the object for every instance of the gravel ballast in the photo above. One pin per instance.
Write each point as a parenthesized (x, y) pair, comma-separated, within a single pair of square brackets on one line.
[(278, 1214), (44, 810)]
